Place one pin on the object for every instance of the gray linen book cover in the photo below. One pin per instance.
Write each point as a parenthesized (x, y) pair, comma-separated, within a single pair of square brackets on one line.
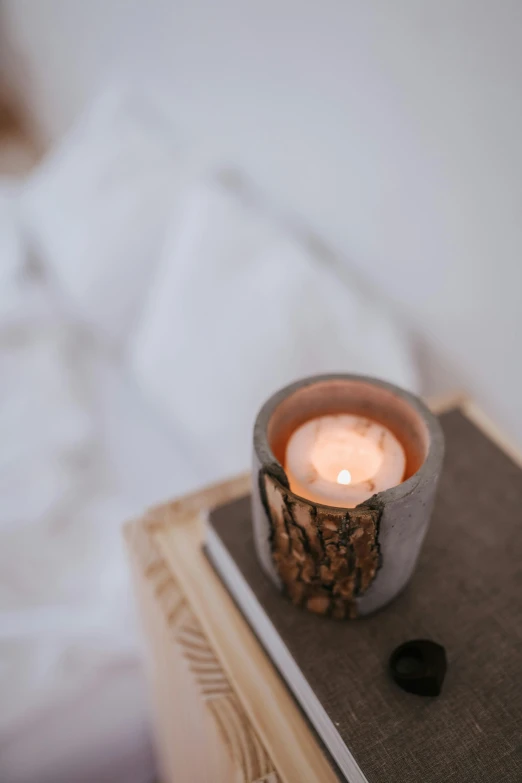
[(466, 594)]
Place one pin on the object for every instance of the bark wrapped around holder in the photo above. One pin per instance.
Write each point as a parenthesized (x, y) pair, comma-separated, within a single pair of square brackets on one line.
[(343, 562)]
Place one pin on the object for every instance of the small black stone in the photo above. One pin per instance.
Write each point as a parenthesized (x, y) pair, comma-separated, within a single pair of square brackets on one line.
[(419, 667)]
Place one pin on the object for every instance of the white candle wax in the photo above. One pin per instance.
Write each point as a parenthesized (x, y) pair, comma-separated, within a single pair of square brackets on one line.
[(342, 460)]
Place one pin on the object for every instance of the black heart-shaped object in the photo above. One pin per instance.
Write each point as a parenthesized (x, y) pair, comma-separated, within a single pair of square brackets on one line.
[(419, 667)]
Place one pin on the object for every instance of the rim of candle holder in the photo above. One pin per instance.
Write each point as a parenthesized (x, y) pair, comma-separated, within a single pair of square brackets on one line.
[(434, 438)]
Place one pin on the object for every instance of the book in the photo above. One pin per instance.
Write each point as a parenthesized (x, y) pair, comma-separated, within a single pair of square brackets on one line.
[(465, 594)]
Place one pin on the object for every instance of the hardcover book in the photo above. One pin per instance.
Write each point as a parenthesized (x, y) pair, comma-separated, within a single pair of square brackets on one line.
[(466, 594)]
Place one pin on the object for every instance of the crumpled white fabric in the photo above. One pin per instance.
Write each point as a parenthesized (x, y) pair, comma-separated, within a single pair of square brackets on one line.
[(79, 239), (96, 207), (67, 630)]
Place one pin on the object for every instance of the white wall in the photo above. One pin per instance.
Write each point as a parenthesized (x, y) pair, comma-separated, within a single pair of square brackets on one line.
[(394, 128)]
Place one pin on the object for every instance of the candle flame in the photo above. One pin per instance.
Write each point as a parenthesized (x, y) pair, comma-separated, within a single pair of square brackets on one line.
[(344, 477)]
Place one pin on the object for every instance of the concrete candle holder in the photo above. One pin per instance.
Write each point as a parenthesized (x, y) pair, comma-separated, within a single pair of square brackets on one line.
[(343, 562)]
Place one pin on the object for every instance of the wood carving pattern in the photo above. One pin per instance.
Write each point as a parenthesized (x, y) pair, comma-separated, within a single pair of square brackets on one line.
[(201, 659), (246, 749), (326, 558), (236, 731), (166, 591)]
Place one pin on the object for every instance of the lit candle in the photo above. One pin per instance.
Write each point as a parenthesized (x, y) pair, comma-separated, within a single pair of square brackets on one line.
[(342, 460)]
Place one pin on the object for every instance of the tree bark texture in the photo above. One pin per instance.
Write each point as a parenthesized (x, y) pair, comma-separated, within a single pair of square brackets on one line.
[(325, 557)]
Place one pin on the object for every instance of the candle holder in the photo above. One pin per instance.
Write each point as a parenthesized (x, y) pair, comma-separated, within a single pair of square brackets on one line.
[(343, 562)]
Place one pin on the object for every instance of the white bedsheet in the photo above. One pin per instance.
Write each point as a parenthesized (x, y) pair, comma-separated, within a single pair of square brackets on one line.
[(81, 452)]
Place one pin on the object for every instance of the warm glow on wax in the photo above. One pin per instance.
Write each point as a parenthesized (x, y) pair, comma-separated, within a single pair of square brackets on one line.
[(343, 459)]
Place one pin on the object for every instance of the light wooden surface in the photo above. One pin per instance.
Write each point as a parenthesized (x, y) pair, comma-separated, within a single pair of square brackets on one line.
[(188, 739), (266, 701), (222, 713)]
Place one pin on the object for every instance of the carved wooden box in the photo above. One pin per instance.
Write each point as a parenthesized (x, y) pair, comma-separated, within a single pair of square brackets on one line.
[(222, 714)]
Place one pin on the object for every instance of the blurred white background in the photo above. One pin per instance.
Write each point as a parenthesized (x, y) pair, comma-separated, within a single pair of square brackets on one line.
[(205, 201), (393, 129)]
